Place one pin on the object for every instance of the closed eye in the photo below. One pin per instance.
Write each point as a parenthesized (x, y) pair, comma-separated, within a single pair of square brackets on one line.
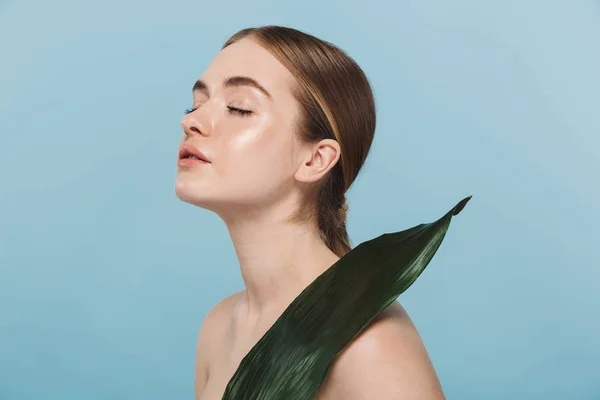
[(232, 110)]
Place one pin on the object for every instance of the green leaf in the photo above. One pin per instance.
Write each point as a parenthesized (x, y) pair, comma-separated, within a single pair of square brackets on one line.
[(291, 360)]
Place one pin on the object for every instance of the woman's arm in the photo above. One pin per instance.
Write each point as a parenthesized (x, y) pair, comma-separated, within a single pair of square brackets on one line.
[(211, 332)]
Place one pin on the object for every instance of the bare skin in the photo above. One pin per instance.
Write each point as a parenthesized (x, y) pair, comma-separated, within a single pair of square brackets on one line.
[(387, 360), (257, 174)]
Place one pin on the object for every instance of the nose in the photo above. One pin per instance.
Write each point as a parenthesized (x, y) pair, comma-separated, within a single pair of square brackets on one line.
[(196, 122)]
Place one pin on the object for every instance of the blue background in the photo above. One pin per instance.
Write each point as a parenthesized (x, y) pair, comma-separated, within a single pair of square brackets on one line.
[(105, 276)]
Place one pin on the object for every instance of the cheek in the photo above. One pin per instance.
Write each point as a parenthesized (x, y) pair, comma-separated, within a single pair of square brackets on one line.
[(258, 155)]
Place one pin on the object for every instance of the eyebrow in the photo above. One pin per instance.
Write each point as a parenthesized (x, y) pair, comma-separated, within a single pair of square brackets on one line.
[(232, 81)]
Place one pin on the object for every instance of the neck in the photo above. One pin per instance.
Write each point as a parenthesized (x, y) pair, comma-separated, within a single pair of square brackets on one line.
[(277, 259)]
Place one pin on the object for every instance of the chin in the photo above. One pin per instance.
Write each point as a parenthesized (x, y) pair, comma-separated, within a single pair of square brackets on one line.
[(192, 194)]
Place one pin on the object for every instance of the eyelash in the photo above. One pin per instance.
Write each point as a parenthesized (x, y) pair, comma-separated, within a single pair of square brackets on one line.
[(232, 110)]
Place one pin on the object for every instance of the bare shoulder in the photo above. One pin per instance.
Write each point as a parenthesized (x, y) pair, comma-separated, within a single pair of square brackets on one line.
[(209, 338), (387, 360)]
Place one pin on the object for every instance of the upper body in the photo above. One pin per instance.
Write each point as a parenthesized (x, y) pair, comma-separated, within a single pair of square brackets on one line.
[(280, 126), (387, 360)]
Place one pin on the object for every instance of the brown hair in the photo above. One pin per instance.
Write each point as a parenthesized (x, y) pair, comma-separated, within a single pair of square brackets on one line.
[(336, 102)]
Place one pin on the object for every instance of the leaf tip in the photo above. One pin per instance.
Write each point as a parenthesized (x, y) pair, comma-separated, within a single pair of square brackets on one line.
[(461, 204)]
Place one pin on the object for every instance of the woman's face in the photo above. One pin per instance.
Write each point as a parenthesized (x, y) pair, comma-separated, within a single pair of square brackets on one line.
[(253, 153)]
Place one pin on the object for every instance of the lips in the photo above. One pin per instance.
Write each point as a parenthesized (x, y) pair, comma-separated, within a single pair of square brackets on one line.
[(187, 151)]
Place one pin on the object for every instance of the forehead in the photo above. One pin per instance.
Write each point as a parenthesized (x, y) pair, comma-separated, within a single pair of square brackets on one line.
[(247, 58)]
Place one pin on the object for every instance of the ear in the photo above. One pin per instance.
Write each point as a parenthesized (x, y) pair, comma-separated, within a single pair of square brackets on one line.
[(317, 160)]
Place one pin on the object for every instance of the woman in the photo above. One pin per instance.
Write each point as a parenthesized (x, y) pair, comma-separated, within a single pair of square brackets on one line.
[(280, 126)]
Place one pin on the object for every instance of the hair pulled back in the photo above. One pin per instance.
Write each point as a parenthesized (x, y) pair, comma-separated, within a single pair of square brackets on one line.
[(336, 102)]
